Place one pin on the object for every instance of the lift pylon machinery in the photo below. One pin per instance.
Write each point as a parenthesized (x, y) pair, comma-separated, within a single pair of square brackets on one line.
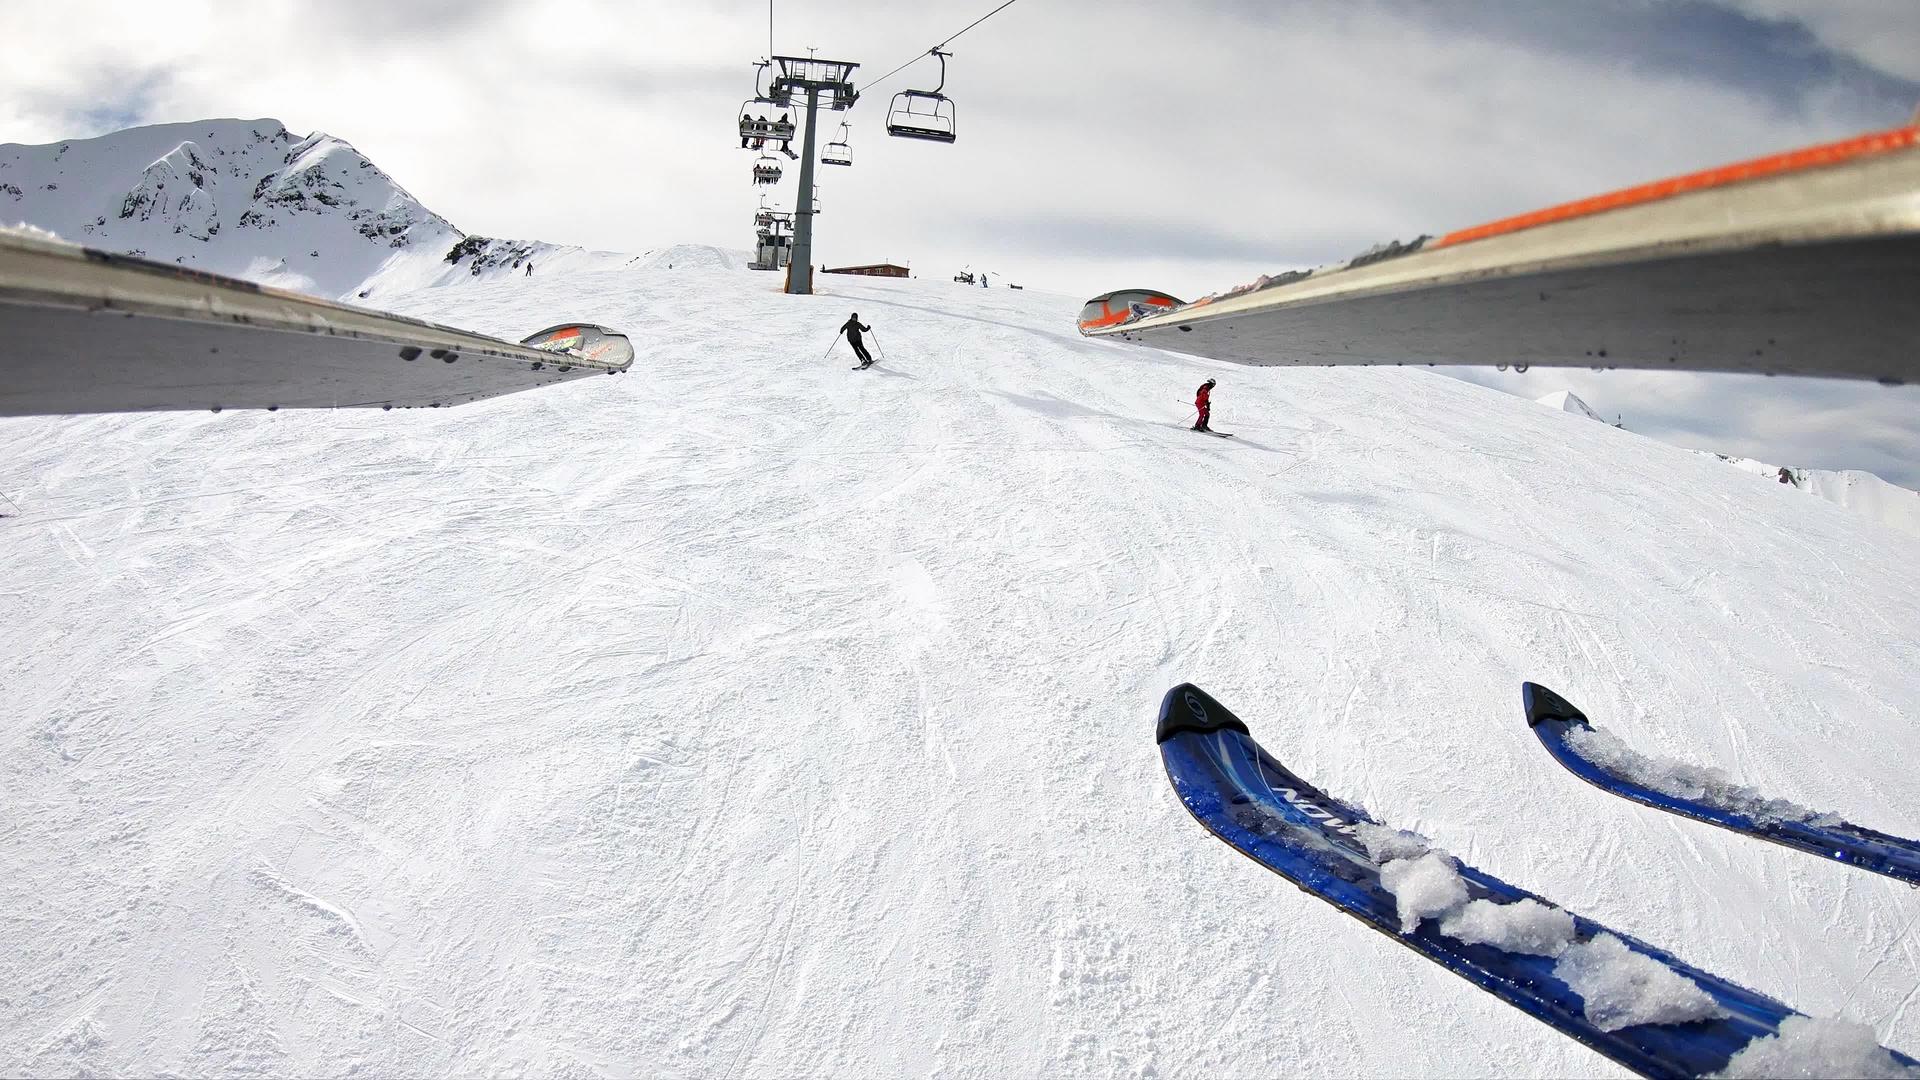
[(824, 82), (923, 114)]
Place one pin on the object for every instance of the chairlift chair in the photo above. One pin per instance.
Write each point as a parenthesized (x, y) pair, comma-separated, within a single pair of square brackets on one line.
[(755, 132), (923, 114), (838, 152), (766, 170)]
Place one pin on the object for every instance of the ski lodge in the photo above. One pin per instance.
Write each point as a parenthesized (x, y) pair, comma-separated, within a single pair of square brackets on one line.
[(870, 270)]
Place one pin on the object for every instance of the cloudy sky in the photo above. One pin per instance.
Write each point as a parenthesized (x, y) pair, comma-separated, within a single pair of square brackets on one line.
[(1102, 143)]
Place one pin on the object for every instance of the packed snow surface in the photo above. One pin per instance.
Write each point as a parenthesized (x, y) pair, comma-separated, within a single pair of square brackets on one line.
[(748, 716)]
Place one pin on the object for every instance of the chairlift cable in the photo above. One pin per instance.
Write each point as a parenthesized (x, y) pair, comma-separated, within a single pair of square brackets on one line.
[(942, 45)]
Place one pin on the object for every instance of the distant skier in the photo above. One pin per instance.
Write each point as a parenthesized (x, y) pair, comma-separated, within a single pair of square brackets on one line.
[(1787, 477), (1203, 400), (529, 267), (853, 328)]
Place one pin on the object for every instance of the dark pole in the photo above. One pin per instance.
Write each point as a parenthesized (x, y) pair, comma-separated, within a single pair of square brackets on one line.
[(800, 272)]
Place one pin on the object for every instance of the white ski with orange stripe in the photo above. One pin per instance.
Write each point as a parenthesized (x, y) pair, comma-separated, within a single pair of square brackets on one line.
[(1802, 263)]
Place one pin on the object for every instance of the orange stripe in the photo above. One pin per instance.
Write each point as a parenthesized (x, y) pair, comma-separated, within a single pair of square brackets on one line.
[(1115, 316), (1811, 157)]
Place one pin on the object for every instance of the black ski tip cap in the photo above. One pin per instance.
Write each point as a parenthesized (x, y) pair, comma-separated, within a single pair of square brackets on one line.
[(1543, 704), (1189, 708)]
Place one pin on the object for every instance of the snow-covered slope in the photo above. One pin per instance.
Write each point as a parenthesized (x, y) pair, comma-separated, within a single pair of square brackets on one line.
[(1859, 491), (1568, 401), (693, 257), (751, 716), (250, 199)]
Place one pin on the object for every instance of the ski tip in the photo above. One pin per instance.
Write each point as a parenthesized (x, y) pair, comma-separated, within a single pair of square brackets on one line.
[(1543, 704), (1189, 708)]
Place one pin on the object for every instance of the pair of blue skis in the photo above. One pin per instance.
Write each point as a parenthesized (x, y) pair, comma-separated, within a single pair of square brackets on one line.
[(1242, 795)]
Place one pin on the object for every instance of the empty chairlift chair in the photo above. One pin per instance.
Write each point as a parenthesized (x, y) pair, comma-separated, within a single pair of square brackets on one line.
[(923, 114), (838, 152)]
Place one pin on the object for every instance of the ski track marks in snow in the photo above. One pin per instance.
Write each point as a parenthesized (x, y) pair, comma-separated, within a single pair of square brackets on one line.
[(744, 716)]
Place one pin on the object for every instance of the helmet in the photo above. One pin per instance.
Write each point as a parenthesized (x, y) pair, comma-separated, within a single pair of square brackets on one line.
[(1209, 382)]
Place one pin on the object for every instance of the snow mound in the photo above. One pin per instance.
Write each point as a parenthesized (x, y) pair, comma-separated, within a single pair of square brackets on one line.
[(1526, 926), (1619, 988), (1809, 1047), (1700, 784), (1423, 886), (1568, 401)]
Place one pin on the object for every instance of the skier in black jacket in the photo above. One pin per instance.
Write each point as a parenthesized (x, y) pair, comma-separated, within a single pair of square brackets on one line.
[(853, 328)]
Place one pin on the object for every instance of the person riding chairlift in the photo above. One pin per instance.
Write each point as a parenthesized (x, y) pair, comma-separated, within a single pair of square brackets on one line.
[(786, 141)]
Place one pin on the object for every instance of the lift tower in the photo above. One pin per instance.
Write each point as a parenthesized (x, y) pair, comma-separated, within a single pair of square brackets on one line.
[(825, 82)]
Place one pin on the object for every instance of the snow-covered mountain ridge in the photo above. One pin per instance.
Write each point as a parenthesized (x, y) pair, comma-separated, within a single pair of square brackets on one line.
[(753, 716), (250, 199), (1856, 489)]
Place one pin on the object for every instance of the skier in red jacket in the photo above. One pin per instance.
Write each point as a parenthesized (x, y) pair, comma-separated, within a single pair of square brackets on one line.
[(1203, 400)]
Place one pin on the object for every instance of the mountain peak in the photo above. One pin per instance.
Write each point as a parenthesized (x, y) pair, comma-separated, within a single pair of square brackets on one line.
[(246, 198)]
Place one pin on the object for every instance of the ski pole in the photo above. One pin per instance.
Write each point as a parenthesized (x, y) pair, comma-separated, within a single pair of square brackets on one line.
[(876, 343), (830, 345)]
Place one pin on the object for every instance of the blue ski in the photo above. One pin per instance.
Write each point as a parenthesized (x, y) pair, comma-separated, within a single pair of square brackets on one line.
[(1641, 1006), (1706, 796)]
